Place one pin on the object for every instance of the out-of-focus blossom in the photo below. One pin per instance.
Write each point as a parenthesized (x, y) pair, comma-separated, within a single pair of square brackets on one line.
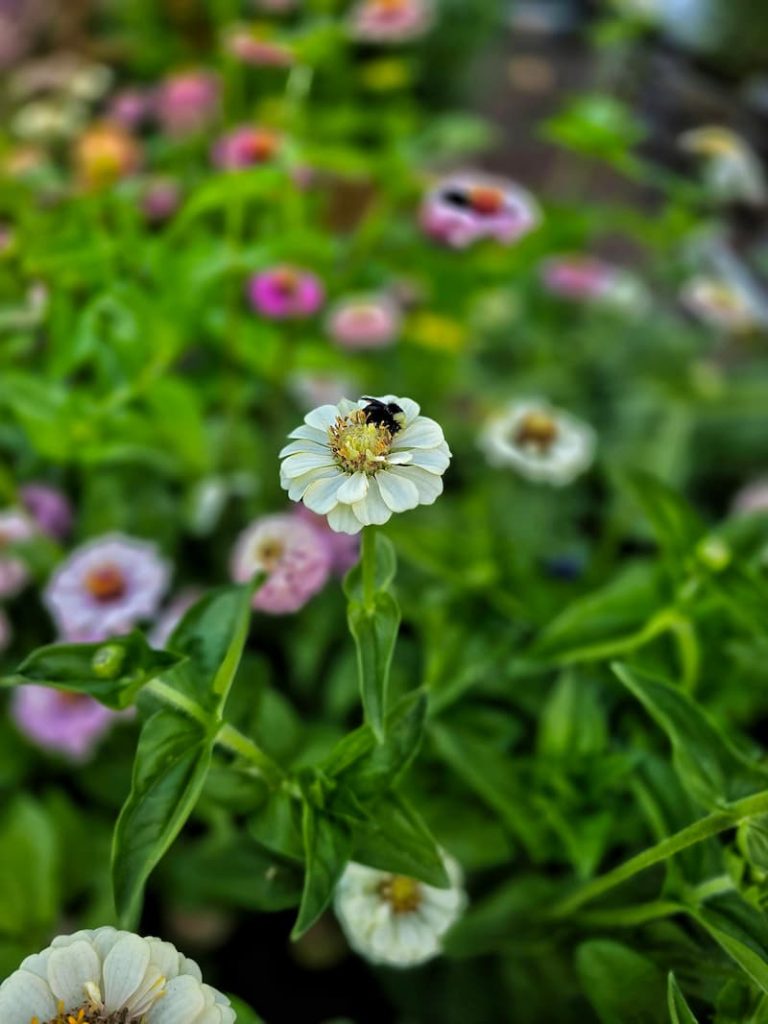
[(24, 161), (590, 280), (390, 21), (48, 120), (114, 977), (89, 82), (364, 322), (172, 615), (285, 293), (344, 547), (49, 507), (386, 74), (753, 497), (61, 721), (360, 462), (721, 305), (107, 585), (294, 556), (130, 108), (245, 146), (254, 46), (105, 153), (396, 920), (187, 102), (15, 528), (464, 208), (732, 169), (312, 389), (542, 443), (435, 331), (160, 199)]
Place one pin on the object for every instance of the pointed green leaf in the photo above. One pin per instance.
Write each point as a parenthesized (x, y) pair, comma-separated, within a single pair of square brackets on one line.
[(327, 846), (397, 840), (741, 930), (679, 1010), (375, 633), (623, 986)]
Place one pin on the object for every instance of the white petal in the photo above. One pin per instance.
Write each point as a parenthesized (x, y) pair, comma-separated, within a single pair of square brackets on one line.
[(429, 485), (312, 447), (354, 488), (422, 433), (295, 465), (23, 996), (399, 458), (298, 486), (69, 968), (322, 417), (124, 970), (309, 434), (181, 1004), (321, 495), (434, 460), (343, 520), (398, 492), (372, 510)]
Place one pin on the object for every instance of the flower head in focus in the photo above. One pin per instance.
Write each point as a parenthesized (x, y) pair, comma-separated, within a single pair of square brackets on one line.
[(57, 720), (542, 443), (245, 146), (365, 322), (285, 293), (395, 920), (359, 462), (294, 557), (106, 976), (732, 169), (464, 208), (106, 586), (390, 21), (15, 528)]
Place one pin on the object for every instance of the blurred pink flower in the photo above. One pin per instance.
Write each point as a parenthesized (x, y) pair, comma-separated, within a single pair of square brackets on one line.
[(187, 102), (344, 547), (130, 108), (293, 555), (61, 721), (15, 527), (160, 199), (258, 50), (107, 585), (390, 21), (577, 277), (464, 208), (245, 146), (365, 321), (49, 507), (284, 293)]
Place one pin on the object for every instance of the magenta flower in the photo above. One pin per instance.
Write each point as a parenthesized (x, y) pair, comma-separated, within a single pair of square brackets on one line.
[(285, 293), (366, 321), (187, 102), (49, 507), (578, 277), (293, 555), (106, 586), (243, 147), (464, 208), (344, 548), (57, 720), (160, 200), (15, 527), (390, 21), (130, 108)]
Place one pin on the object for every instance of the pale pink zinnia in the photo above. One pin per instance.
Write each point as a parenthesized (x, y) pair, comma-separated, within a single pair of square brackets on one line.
[(390, 21), (577, 277), (285, 293), (245, 146), (49, 507), (344, 548), (293, 556), (257, 50), (15, 528), (107, 585), (364, 322), (464, 208), (187, 102), (59, 720)]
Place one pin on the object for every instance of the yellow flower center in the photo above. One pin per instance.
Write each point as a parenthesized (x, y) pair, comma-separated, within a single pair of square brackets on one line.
[(402, 893), (269, 552), (538, 429), (357, 445)]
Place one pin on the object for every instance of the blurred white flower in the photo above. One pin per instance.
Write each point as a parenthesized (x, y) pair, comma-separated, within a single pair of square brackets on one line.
[(105, 976), (732, 169), (542, 443), (358, 462), (720, 304), (396, 920), (48, 120)]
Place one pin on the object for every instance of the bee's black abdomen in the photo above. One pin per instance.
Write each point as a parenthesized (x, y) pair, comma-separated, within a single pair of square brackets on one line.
[(383, 414)]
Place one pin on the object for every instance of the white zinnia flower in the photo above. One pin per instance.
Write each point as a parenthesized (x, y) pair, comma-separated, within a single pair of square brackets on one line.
[(358, 462), (732, 169), (105, 976), (396, 920), (542, 443), (722, 304)]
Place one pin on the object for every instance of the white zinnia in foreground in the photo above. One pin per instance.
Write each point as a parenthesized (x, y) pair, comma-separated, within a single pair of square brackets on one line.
[(542, 443), (358, 462), (105, 976), (396, 920)]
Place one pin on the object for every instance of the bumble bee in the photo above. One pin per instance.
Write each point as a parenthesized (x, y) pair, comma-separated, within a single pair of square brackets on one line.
[(384, 414)]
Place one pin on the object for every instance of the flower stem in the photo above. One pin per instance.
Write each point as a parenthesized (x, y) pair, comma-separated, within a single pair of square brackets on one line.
[(368, 567)]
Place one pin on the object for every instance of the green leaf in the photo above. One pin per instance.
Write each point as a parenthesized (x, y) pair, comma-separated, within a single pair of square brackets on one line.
[(397, 840), (741, 930), (752, 837), (29, 854), (598, 126), (277, 826), (327, 846), (708, 765), (245, 1015), (384, 572), (675, 524), (113, 671), (573, 720), (172, 760), (375, 633), (679, 1010), (622, 986)]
